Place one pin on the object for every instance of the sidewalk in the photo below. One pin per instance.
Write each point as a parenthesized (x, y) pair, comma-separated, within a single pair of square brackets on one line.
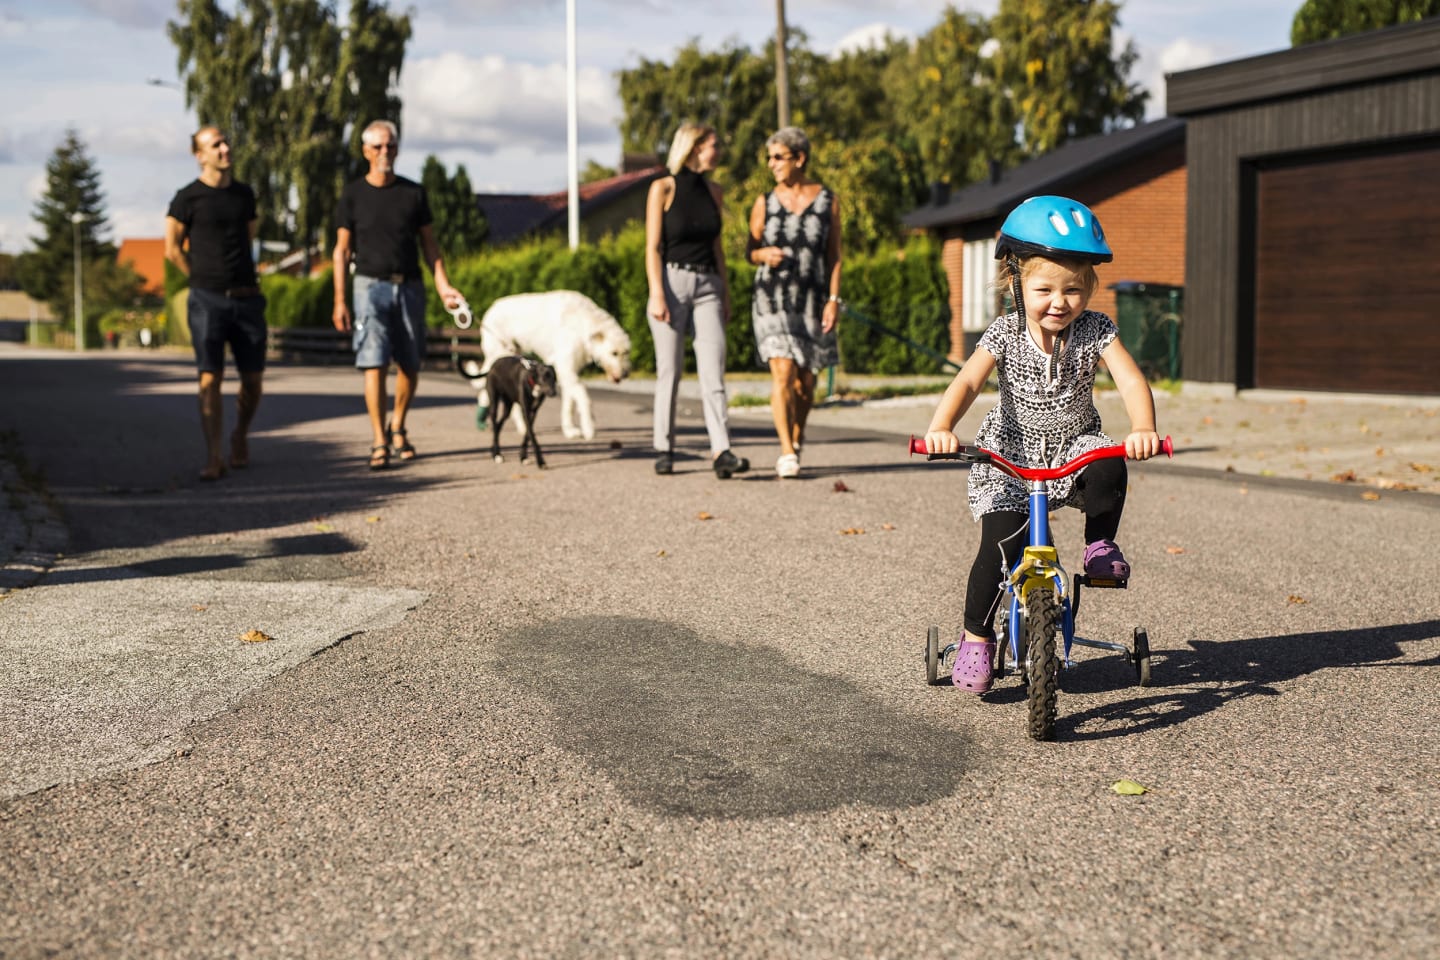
[(1376, 445)]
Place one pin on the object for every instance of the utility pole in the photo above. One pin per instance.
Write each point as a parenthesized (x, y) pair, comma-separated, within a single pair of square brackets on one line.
[(572, 124), (782, 71), (78, 218)]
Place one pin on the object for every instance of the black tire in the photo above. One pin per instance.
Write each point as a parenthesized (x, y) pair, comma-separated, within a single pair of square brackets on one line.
[(1042, 668), (1141, 657), (932, 656)]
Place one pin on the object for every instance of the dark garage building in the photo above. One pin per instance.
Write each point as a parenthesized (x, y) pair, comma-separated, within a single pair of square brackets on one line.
[(1313, 216)]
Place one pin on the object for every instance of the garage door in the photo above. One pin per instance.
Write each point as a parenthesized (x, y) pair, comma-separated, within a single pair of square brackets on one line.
[(1347, 274)]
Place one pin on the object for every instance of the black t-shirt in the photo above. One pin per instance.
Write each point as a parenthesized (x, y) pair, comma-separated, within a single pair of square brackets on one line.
[(383, 224), (217, 221)]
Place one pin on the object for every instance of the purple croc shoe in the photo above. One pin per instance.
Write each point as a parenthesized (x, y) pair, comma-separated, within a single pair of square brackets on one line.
[(1104, 559), (973, 669)]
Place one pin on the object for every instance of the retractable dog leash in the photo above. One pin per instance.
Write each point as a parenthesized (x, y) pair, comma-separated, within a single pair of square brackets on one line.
[(461, 314)]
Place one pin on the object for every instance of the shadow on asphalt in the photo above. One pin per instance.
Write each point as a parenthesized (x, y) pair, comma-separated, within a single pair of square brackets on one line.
[(1191, 683), (693, 727)]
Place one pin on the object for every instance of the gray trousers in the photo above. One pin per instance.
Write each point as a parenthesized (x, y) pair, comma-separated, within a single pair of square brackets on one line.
[(695, 304)]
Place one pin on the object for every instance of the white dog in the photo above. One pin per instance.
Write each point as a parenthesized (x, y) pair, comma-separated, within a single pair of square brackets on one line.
[(565, 329)]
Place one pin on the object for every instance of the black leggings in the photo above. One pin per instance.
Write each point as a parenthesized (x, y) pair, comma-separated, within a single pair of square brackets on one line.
[(1002, 539)]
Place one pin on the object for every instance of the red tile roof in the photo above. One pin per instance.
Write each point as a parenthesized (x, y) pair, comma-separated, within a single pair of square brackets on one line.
[(147, 257)]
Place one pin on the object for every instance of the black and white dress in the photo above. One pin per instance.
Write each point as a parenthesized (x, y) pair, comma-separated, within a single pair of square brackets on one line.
[(1046, 413), (790, 299)]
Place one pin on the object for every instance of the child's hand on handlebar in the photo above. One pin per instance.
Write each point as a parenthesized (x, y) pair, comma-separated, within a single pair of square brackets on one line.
[(941, 441), (1142, 445)]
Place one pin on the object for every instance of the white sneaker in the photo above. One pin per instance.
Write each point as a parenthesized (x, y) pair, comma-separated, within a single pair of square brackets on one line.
[(788, 466)]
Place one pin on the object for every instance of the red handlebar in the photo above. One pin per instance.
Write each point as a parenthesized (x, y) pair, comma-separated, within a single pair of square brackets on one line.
[(981, 455)]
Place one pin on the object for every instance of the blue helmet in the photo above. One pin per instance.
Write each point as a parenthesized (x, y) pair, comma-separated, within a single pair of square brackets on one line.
[(1053, 226)]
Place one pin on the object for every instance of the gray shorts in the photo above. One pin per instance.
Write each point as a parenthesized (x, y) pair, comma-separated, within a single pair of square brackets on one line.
[(389, 323)]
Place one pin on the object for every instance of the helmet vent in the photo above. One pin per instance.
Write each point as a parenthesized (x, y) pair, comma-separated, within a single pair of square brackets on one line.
[(1058, 222), (1077, 217)]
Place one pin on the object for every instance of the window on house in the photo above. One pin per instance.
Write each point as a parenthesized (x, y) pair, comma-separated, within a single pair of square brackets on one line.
[(977, 301)]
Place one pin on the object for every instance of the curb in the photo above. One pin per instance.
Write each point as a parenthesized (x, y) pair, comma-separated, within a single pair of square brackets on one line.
[(32, 536)]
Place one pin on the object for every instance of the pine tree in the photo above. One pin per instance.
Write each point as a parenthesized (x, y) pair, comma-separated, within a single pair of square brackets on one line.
[(72, 185)]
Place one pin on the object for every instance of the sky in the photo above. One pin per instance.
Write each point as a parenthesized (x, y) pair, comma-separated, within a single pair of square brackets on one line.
[(483, 82)]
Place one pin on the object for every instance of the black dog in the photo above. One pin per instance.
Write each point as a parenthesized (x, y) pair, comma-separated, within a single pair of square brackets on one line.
[(517, 380)]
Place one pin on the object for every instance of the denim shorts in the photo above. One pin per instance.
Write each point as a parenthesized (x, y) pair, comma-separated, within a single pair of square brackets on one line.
[(389, 323), (216, 320)]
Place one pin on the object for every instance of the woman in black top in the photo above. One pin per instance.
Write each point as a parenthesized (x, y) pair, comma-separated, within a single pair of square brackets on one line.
[(689, 293)]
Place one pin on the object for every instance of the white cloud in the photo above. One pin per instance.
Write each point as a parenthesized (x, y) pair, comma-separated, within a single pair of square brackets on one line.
[(489, 103), (1181, 54), (869, 36)]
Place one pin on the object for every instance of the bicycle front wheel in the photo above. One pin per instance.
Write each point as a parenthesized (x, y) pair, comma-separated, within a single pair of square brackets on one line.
[(1042, 667)]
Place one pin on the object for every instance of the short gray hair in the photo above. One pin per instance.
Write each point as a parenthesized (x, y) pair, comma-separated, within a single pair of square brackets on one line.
[(792, 139), (373, 125)]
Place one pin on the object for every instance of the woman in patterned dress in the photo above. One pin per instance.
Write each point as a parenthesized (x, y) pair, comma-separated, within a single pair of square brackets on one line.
[(795, 240), (1046, 355)]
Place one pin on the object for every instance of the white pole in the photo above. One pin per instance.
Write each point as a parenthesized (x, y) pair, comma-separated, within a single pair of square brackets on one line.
[(78, 218), (572, 120)]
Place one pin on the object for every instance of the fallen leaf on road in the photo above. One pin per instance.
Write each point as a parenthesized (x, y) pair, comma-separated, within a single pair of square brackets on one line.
[(851, 531), (1422, 468), (1385, 484), (324, 528), (1364, 428), (1174, 549), (840, 487), (887, 526), (1369, 495), (372, 519), (1294, 599), (662, 553), (255, 636), (519, 476), (1379, 451), (1207, 420), (199, 608), (1347, 477), (702, 515), (1129, 788)]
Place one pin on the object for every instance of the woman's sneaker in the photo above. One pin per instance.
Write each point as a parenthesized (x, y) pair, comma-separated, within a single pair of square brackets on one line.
[(1104, 559)]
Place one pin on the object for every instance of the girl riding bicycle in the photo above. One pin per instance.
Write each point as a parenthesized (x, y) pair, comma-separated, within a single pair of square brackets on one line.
[(1046, 354)]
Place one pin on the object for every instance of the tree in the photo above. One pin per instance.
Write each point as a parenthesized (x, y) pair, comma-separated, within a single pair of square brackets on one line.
[(72, 185), (595, 171), (294, 90), (1059, 72), (1318, 20), (460, 226)]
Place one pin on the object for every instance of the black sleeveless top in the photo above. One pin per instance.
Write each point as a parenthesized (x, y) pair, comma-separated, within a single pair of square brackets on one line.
[(692, 223)]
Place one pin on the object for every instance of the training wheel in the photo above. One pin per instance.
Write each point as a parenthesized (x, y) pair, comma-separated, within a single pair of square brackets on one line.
[(932, 656), (1140, 657)]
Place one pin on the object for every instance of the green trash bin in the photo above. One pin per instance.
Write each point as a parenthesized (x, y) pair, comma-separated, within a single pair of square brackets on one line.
[(1149, 317)]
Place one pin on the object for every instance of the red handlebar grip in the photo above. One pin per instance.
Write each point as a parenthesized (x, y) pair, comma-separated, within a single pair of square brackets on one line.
[(1168, 447), (917, 444)]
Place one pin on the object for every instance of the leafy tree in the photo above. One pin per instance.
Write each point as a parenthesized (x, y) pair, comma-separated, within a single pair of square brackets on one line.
[(595, 171), (9, 278), (460, 225), (72, 185), (1318, 20), (1059, 71), (294, 90)]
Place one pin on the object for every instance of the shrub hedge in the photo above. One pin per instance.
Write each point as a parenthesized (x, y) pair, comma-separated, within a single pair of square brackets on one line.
[(902, 288)]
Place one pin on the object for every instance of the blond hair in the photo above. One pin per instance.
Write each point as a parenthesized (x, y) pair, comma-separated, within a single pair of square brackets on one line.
[(683, 146), (1089, 279)]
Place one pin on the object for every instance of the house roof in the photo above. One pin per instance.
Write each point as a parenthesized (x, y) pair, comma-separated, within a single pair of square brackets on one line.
[(1076, 160), (1361, 58), (515, 215), (147, 256)]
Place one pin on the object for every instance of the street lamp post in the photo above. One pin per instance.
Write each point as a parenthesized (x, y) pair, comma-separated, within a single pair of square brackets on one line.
[(78, 218)]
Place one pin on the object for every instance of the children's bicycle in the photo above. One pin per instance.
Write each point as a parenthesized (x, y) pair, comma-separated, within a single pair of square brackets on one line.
[(1041, 599)]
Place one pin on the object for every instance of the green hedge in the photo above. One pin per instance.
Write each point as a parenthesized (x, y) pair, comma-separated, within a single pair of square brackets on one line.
[(902, 288)]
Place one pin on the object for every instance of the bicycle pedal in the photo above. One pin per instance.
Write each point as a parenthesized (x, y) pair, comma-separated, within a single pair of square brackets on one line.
[(1103, 583)]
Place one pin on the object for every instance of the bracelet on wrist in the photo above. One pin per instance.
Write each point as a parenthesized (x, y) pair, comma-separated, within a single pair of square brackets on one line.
[(834, 299)]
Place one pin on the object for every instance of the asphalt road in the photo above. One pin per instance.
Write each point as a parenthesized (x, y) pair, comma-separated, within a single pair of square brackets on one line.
[(591, 711)]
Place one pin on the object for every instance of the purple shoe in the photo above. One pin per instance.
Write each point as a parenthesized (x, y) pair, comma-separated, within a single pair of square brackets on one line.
[(973, 668), (1104, 559)]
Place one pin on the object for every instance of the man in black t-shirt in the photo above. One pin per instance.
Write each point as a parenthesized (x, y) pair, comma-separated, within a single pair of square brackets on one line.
[(215, 217), (384, 223)]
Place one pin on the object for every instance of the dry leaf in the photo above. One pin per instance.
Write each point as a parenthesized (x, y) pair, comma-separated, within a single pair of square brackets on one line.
[(1385, 484), (372, 519), (255, 636), (1174, 549), (887, 526), (1294, 599), (1364, 428), (199, 607), (1369, 495), (1379, 451), (1207, 420), (518, 476), (702, 515), (1129, 788), (1422, 467), (840, 487), (662, 553), (1347, 477), (851, 531), (324, 528)]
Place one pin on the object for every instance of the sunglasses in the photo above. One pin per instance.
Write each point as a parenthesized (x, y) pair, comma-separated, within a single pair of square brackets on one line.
[(782, 156)]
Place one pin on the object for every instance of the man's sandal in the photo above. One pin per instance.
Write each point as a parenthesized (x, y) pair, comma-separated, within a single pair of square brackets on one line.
[(380, 456), (403, 450)]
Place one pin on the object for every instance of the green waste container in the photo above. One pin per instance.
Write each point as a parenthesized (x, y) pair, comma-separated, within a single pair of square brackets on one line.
[(1149, 317)]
